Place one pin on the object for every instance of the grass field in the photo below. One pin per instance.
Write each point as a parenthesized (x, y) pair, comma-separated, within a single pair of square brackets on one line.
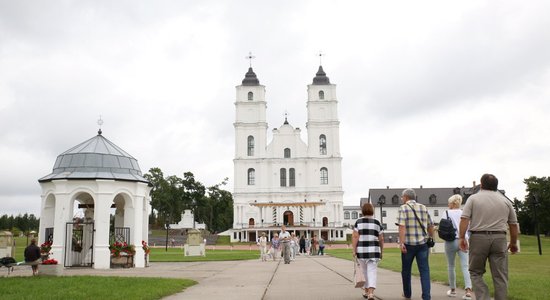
[(90, 287), (529, 272), (176, 255)]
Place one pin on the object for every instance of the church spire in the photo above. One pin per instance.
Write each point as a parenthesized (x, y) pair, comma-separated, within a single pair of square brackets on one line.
[(321, 77), (250, 77)]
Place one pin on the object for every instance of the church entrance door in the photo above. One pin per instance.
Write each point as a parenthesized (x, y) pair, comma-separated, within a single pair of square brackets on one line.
[(288, 218)]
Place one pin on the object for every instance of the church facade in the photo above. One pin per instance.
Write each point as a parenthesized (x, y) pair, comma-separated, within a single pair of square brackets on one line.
[(287, 180)]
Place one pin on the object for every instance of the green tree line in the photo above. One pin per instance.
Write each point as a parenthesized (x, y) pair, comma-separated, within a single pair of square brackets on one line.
[(20, 223), (536, 203), (171, 195)]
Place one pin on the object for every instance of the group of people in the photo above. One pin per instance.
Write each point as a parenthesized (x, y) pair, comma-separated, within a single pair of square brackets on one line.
[(288, 245), (480, 237)]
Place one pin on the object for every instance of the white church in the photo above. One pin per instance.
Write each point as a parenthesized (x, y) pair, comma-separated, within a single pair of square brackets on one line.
[(287, 180)]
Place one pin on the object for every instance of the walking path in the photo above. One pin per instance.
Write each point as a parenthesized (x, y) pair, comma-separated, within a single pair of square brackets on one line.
[(307, 277)]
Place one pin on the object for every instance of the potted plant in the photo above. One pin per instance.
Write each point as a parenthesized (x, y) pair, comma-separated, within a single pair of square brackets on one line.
[(122, 254), (45, 250)]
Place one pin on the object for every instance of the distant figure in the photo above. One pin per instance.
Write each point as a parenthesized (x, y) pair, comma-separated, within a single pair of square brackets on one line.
[(262, 243), (452, 249), (390, 238), (368, 244), (302, 244), (489, 214), (275, 245), (414, 242), (314, 245), (172, 242), (32, 256), (321, 246), (293, 246), (285, 239), (308, 246)]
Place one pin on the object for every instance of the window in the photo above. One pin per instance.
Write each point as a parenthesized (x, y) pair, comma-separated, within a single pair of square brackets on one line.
[(250, 96), (346, 215), (321, 95), (383, 213), (354, 215), (291, 177), (322, 144), (251, 176), (250, 145), (433, 199), (384, 226), (287, 152), (283, 177), (324, 175), (436, 213), (394, 199)]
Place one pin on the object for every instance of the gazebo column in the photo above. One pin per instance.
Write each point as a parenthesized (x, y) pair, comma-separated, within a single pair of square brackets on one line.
[(102, 255), (137, 234), (63, 214)]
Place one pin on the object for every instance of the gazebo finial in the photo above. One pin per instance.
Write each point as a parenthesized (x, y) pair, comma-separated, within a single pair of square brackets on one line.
[(99, 122)]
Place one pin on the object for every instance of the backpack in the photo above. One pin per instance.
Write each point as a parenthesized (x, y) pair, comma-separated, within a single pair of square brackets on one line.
[(5, 261), (446, 229)]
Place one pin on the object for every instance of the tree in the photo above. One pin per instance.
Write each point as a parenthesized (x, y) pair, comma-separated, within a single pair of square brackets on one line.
[(538, 198)]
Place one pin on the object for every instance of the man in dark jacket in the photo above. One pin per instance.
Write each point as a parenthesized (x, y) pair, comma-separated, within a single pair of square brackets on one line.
[(32, 256)]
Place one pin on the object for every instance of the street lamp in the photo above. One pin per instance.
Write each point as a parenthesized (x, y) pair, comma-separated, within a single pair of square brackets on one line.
[(381, 202), (535, 207)]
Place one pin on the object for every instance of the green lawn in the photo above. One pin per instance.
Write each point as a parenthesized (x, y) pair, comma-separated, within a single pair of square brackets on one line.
[(90, 287), (529, 273), (176, 254)]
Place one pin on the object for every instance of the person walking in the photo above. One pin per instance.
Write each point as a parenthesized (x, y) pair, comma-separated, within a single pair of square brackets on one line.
[(488, 214), (452, 250), (32, 256), (285, 239), (368, 246), (314, 245), (321, 246), (275, 246), (262, 243), (413, 219), (302, 244), (308, 246)]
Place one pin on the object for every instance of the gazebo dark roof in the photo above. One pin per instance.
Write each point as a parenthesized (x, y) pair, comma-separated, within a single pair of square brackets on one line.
[(96, 158)]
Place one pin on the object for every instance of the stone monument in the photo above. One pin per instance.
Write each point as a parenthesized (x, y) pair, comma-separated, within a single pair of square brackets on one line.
[(195, 244)]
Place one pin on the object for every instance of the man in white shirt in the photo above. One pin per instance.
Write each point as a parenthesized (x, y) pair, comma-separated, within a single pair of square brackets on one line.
[(284, 236)]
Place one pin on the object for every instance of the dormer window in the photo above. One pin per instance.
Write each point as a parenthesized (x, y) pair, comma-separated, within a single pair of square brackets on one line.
[(395, 199), (287, 153), (433, 199), (250, 96), (321, 95)]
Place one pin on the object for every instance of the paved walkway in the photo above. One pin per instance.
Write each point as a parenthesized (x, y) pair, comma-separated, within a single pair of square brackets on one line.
[(308, 277)]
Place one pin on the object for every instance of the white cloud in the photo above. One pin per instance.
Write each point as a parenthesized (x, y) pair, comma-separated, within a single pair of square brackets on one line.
[(430, 93)]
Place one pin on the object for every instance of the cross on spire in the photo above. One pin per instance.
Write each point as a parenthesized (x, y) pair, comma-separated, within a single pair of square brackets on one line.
[(250, 57), (286, 115), (99, 122), (321, 54)]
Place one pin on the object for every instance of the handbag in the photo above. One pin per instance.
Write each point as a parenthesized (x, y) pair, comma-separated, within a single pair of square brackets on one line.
[(430, 241), (358, 276)]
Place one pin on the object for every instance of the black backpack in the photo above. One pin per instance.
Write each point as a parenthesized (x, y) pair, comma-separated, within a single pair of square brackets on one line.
[(446, 230), (6, 261)]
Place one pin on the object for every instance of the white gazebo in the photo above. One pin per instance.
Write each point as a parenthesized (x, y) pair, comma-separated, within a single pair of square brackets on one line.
[(89, 183)]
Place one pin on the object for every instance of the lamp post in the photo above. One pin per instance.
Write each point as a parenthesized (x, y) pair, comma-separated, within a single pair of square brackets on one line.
[(535, 207), (381, 202)]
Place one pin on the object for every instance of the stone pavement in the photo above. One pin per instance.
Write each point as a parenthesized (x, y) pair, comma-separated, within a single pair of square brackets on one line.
[(307, 277)]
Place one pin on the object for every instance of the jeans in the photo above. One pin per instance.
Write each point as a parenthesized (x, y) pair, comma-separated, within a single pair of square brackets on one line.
[(492, 247), (420, 252), (451, 249), (286, 252), (321, 250)]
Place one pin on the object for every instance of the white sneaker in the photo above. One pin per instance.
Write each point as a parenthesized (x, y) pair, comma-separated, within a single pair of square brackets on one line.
[(451, 293)]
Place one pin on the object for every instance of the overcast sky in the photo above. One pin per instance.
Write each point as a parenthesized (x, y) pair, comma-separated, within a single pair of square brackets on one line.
[(430, 93)]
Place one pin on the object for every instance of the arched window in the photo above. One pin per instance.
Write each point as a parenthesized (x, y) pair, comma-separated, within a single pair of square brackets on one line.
[(291, 177), (251, 176), (354, 215), (283, 177), (321, 95), (324, 175), (287, 152), (346, 215), (395, 199), (322, 144), (250, 145), (250, 96)]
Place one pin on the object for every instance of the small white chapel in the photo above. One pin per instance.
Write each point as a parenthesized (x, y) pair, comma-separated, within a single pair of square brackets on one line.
[(90, 182)]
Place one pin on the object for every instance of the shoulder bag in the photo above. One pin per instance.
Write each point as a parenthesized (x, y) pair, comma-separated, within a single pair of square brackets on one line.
[(430, 241)]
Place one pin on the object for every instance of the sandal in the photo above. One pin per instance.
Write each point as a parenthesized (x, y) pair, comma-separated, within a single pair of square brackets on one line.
[(467, 296), (371, 297), (451, 293), (365, 293)]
